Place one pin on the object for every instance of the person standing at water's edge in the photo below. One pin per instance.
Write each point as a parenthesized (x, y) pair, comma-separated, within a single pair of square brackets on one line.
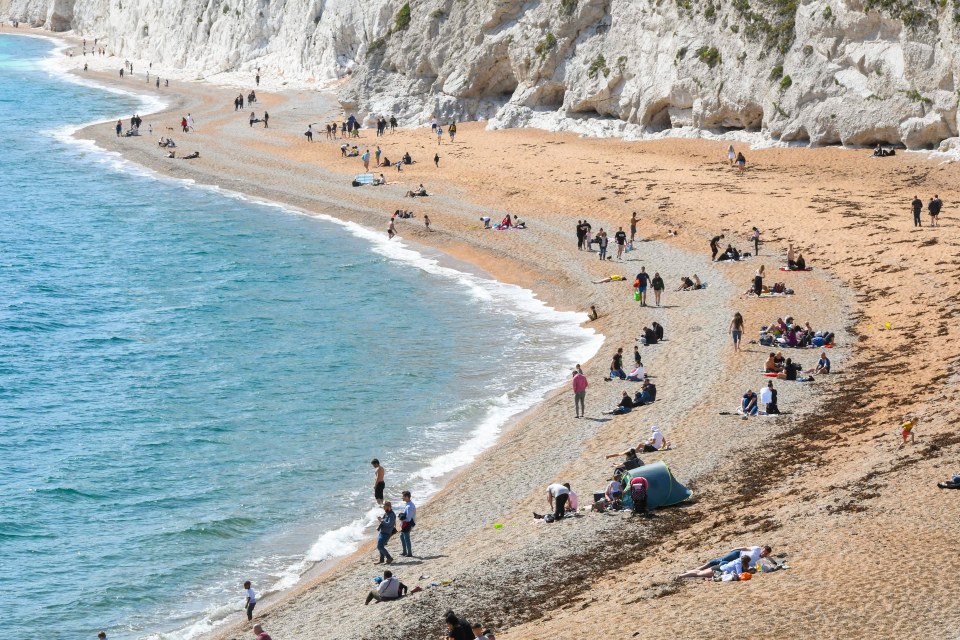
[(378, 482), (251, 600), (736, 330), (579, 394), (385, 530), (408, 520)]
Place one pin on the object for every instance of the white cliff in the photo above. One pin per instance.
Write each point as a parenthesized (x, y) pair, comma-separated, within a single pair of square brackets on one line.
[(854, 72)]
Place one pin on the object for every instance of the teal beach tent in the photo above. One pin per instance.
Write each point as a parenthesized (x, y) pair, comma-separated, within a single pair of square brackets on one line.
[(664, 489)]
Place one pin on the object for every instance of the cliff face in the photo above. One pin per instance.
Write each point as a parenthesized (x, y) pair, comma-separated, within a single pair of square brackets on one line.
[(817, 71)]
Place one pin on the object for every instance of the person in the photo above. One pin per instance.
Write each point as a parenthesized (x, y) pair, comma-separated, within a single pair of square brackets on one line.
[(748, 405), (741, 163), (686, 284), (579, 394), (257, 78), (391, 229), (633, 226), (602, 242), (639, 487), (365, 158), (408, 520), (801, 263), (439, 131), (736, 330), (620, 237), (643, 281), (731, 155), (426, 218), (486, 221), (755, 236), (385, 530), (189, 122), (823, 364), (790, 370), (119, 128), (481, 633), (458, 628), (253, 118), (791, 258), (649, 337), (616, 365), (906, 431), (646, 395), (393, 123), (452, 130), (637, 358), (655, 442), (758, 281), (715, 246), (557, 496), (771, 366), (593, 315), (260, 633), (658, 286), (631, 460), (953, 483), (378, 482), (183, 125), (614, 491), (768, 396), (917, 205), (624, 406), (934, 207), (388, 588), (753, 554), (735, 567), (192, 156), (636, 374), (251, 601), (102, 635)]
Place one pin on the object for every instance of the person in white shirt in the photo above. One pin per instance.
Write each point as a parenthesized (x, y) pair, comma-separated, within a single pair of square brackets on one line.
[(389, 588), (557, 496), (753, 555), (656, 441), (734, 567), (408, 519), (251, 599), (768, 396)]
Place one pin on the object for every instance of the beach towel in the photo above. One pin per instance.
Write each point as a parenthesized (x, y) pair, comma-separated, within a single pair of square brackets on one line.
[(788, 269), (664, 490), (363, 178)]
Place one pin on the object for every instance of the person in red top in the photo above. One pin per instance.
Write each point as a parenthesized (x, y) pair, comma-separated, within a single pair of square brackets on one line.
[(579, 394), (260, 633), (638, 491)]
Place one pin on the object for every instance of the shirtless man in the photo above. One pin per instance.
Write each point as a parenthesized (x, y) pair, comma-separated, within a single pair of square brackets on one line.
[(378, 483)]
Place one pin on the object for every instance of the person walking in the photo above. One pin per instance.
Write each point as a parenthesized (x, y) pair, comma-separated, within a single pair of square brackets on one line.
[(620, 237), (251, 601), (408, 520), (452, 130), (378, 482), (917, 205), (658, 287), (377, 154), (385, 530), (755, 235), (579, 394), (715, 246), (934, 207), (365, 158), (736, 330), (643, 281), (436, 160), (439, 131), (309, 132), (266, 120)]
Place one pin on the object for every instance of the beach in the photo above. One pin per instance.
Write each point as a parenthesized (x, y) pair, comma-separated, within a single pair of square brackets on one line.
[(824, 484)]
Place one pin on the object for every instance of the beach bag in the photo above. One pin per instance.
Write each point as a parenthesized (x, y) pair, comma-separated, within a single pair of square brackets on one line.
[(766, 340), (818, 341), (636, 296)]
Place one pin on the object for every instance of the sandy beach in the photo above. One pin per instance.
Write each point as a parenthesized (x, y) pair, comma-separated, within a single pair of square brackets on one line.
[(825, 483)]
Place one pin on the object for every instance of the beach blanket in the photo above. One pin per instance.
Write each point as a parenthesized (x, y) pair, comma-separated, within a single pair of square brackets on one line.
[(363, 178), (788, 269), (664, 490)]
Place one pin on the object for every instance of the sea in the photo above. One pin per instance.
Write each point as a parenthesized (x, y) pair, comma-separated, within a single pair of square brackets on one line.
[(192, 384)]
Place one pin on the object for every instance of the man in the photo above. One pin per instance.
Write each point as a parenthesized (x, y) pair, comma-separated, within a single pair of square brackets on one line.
[(481, 633), (656, 441), (408, 519), (715, 246), (251, 601), (768, 396), (260, 633), (102, 635), (557, 496), (458, 628), (581, 234), (389, 588), (643, 280), (385, 529), (754, 554), (378, 482), (749, 403), (633, 226), (823, 364), (934, 207), (616, 365), (579, 394), (917, 205), (621, 239)]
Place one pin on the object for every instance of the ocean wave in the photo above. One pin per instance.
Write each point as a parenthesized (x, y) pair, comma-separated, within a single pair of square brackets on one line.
[(226, 528), (68, 494)]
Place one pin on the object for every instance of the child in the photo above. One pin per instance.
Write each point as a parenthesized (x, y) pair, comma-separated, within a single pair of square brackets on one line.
[(906, 432), (251, 599)]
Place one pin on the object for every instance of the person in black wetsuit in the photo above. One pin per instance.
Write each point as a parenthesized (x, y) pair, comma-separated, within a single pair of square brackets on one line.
[(715, 246)]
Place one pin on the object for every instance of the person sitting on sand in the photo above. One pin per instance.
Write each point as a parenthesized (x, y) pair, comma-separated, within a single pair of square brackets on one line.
[(631, 460), (407, 159), (649, 337), (258, 630), (768, 397), (616, 365), (172, 154), (646, 395), (686, 284), (823, 364), (593, 315), (729, 254), (770, 366), (614, 492), (656, 441), (192, 156), (801, 263), (953, 483), (625, 406), (733, 568), (748, 404), (379, 180), (658, 330), (790, 370), (755, 554), (388, 588), (637, 374)]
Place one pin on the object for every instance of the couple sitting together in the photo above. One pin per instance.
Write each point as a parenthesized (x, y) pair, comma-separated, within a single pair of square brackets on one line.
[(646, 395)]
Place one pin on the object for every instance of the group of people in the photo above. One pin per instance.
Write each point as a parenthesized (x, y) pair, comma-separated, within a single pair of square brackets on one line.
[(381, 125), (642, 282), (750, 403), (786, 369), (437, 129), (933, 208), (586, 238), (238, 101), (265, 119), (787, 333), (737, 564)]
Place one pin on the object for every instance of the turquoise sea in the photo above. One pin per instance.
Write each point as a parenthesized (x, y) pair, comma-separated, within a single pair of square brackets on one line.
[(192, 385)]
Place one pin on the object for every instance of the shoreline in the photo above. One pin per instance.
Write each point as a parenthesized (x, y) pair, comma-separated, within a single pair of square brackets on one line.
[(512, 582)]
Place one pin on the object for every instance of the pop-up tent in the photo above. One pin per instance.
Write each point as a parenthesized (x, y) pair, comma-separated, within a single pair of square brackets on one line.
[(664, 490)]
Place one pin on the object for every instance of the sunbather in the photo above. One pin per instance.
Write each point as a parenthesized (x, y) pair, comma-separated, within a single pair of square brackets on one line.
[(754, 554), (646, 395), (631, 460), (953, 483), (656, 442), (192, 156), (770, 366), (734, 567), (823, 364)]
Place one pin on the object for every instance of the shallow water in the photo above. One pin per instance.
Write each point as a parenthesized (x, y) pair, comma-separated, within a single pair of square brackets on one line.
[(192, 385)]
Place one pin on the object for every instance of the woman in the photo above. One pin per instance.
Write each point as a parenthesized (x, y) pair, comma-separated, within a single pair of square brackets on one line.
[(385, 529), (758, 281), (731, 155), (658, 287), (741, 163), (736, 330), (603, 241), (791, 258), (755, 234)]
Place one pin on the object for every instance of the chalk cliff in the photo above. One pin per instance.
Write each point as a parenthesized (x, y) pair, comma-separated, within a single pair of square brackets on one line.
[(811, 71)]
